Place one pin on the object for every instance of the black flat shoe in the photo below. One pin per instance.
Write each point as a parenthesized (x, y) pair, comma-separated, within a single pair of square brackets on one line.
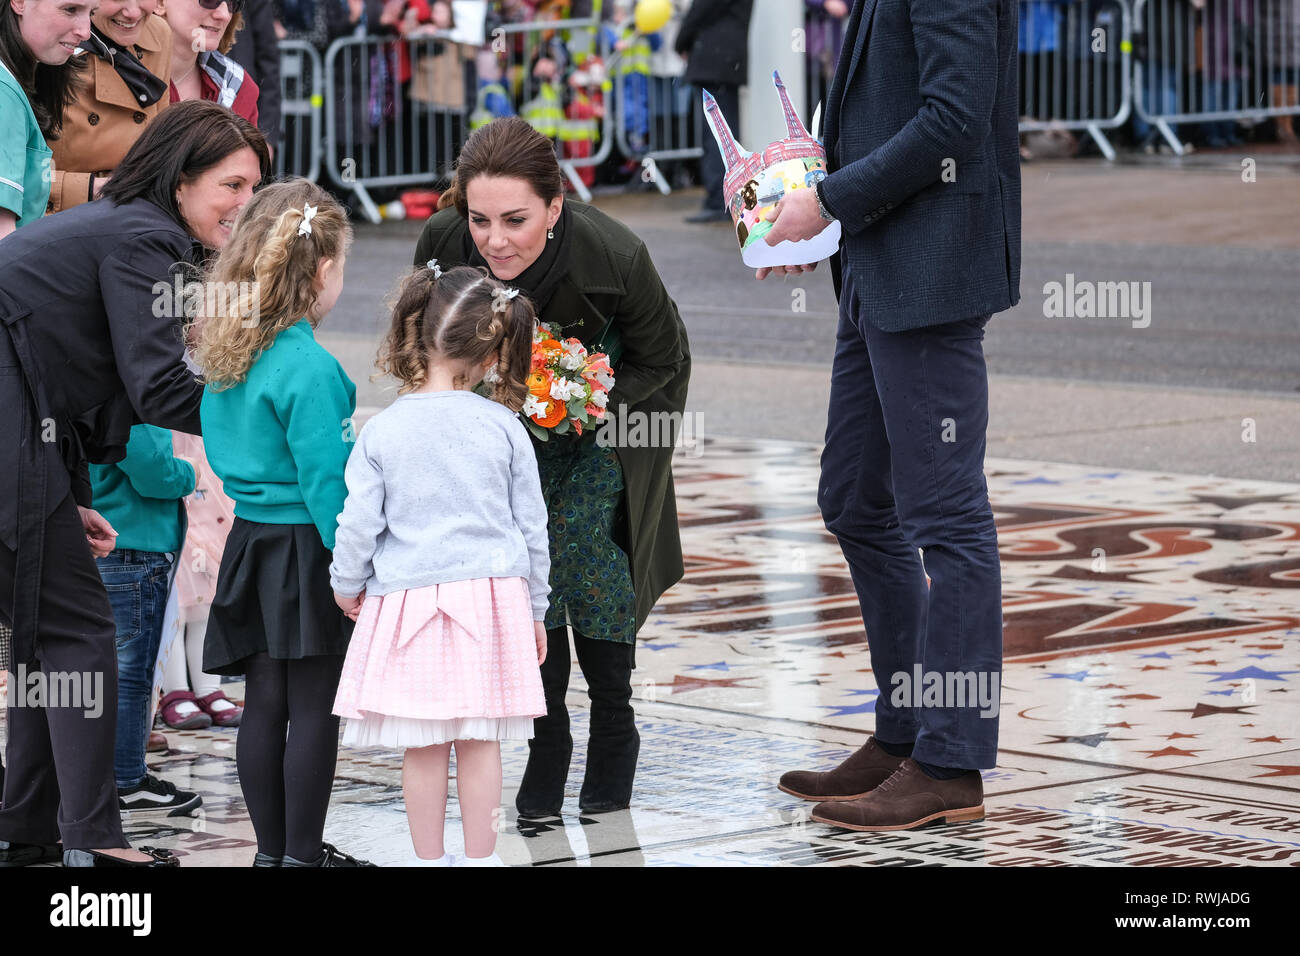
[(28, 854), (265, 859), (537, 816), (329, 856), (79, 858)]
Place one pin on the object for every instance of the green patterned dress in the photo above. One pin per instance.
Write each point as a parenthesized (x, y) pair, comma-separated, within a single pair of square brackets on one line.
[(591, 580)]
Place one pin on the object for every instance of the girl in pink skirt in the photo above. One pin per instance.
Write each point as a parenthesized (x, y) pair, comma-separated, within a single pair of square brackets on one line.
[(441, 556)]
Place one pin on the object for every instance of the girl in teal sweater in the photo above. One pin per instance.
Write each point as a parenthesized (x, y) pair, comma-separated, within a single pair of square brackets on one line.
[(277, 425)]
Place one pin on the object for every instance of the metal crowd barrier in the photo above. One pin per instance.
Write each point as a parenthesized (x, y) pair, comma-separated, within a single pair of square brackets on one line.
[(388, 111), (1075, 65), (1230, 60), (301, 98), (669, 126)]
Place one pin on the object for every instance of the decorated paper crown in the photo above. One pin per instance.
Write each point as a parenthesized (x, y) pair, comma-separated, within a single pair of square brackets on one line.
[(755, 182)]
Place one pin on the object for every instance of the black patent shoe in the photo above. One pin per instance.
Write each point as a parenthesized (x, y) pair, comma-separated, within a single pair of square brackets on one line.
[(78, 858), (329, 856), (28, 854), (265, 859)]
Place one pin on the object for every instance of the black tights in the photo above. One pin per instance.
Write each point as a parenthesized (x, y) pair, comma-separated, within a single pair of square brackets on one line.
[(287, 746)]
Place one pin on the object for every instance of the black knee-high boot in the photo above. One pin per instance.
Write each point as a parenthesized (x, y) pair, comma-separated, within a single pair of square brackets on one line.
[(614, 744)]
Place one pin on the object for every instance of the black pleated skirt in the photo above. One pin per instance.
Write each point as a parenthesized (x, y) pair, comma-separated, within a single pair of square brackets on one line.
[(273, 596)]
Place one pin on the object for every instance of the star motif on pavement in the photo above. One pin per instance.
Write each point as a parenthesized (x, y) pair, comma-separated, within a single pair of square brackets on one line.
[(1088, 740), (1161, 654), (1176, 736), (1154, 667), (1220, 693), (1125, 724), (659, 647), (1137, 697), (1036, 481), (1268, 740), (1210, 663), (1170, 752), (1111, 687), (681, 683), (1209, 710), (859, 693), (1279, 770), (1073, 675), (866, 707), (716, 666), (1255, 672)]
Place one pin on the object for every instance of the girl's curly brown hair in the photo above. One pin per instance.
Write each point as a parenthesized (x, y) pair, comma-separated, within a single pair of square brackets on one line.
[(463, 316)]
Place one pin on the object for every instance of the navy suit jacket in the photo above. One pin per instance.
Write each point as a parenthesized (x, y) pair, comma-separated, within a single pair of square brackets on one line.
[(923, 151)]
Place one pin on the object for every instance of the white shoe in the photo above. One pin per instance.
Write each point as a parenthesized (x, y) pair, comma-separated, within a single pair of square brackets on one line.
[(492, 860), (445, 860)]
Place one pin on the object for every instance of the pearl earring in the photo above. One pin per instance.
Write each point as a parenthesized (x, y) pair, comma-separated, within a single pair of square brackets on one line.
[(550, 233)]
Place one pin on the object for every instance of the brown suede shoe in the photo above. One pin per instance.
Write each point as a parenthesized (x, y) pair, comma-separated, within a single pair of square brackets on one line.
[(907, 800), (865, 770)]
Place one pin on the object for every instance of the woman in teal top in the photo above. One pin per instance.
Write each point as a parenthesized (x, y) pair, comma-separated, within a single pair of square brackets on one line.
[(37, 77)]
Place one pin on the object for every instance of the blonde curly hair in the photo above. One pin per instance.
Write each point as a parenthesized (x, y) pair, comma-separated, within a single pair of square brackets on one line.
[(271, 271)]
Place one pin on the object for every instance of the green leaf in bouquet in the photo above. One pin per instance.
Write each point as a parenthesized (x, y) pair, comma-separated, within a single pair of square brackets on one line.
[(540, 433), (577, 408), (562, 428)]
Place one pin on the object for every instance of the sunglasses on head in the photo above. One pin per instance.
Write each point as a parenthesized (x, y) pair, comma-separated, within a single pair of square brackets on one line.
[(234, 5)]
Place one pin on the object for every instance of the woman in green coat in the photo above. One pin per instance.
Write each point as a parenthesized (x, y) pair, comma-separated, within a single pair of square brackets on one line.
[(612, 514)]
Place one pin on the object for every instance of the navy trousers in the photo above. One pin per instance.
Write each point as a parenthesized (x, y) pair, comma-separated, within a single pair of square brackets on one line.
[(903, 468)]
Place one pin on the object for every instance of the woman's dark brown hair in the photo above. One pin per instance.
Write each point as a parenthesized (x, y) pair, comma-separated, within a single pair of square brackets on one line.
[(48, 88), (505, 147), (462, 316), (185, 140)]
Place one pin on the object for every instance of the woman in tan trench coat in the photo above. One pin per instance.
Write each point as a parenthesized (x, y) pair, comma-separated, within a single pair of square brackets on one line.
[(119, 100), (612, 514)]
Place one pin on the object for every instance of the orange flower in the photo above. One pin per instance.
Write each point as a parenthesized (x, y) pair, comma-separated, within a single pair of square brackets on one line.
[(555, 413), (539, 382)]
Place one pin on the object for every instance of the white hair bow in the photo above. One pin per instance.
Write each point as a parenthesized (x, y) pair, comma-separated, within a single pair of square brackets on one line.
[(501, 299), (308, 214), (433, 267)]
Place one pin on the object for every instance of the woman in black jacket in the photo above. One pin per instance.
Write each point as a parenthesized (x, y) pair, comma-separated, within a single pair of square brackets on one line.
[(90, 305)]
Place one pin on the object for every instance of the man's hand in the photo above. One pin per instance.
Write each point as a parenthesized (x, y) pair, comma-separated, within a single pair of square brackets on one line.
[(796, 217), (99, 533), (764, 272), (350, 606)]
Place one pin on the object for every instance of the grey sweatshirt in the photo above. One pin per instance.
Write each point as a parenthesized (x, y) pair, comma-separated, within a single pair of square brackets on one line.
[(442, 486)]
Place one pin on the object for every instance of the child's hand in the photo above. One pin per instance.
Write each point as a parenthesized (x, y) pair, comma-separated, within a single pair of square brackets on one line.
[(350, 606), (539, 631)]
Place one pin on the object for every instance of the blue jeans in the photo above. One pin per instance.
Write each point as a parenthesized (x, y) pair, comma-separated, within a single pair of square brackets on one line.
[(903, 468), (1159, 96), (137, 583)]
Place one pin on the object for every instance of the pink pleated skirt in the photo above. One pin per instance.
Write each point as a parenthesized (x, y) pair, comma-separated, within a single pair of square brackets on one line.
[(454, 661)]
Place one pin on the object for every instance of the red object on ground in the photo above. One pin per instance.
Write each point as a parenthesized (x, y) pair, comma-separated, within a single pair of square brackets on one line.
[(420, 203)]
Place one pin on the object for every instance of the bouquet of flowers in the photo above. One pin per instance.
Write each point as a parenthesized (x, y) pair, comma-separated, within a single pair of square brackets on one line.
[(568, 387)]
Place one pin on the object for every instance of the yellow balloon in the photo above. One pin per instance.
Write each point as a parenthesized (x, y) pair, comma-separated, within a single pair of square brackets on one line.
[(651, 15)]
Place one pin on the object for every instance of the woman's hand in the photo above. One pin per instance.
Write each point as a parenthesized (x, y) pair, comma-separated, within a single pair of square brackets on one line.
[(539, 633), (350, 606), (99, 533)]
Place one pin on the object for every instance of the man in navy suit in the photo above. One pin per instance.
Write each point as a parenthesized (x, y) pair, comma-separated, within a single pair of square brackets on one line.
[(924, 177)]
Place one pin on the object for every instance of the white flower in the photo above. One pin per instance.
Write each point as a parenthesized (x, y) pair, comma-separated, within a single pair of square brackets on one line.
[(570, 361), (534, 407), (599, 399), (563, 389)]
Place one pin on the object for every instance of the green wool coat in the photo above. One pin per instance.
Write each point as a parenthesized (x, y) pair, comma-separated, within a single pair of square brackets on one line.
[(611, 276)]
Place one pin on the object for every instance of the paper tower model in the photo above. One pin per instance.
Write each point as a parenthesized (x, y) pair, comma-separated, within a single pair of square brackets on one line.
[(755, 182)]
